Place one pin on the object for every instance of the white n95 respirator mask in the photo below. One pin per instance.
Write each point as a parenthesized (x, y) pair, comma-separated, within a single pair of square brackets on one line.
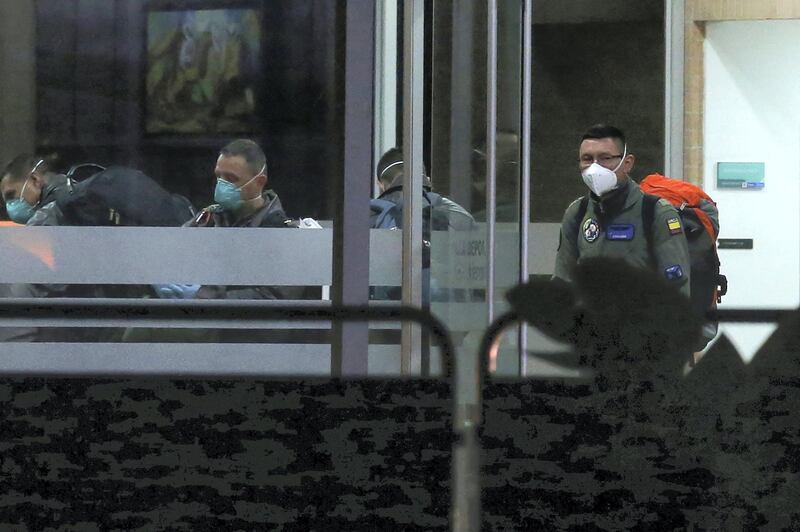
[(600, 179)]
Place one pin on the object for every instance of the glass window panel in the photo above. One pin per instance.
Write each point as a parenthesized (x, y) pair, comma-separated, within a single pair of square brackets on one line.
[(152, 91)]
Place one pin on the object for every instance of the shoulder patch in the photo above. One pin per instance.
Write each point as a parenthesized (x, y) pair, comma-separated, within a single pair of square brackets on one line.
[(674, 272), (674, 225)]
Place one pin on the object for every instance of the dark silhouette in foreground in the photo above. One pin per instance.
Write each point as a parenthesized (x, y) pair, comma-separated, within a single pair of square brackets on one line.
[(639, 443)]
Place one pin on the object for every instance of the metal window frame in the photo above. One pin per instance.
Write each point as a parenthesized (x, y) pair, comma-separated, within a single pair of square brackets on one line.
[(349, 352), (525, 163), (491, 155), (674, 21), (413, 134)]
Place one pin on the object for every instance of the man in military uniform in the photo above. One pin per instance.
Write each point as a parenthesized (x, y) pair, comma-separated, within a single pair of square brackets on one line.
[(241, 200), (445, 213), (609, 221), (241, 197), (439, 213), (30, 191)]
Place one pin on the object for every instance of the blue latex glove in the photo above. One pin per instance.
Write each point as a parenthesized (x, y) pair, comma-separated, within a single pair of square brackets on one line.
[(176, 291)]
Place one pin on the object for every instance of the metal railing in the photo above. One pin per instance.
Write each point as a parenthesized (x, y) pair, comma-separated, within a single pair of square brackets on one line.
[(465, 510), (211, 313)]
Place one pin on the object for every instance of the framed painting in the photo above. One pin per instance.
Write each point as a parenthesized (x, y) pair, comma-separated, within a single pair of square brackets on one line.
[(202, 71)]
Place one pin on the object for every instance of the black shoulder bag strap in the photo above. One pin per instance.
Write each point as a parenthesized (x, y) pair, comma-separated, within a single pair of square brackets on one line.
[(432, 197), (584, 204), (648, 216)]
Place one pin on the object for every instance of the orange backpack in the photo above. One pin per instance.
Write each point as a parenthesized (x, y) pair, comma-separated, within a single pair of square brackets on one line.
[(700, 219)]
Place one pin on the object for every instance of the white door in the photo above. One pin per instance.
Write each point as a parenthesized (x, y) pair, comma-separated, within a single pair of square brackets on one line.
[(752, 114)]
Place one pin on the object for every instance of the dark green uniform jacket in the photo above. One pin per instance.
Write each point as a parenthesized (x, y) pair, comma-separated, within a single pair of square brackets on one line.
[(271, 214), (613, 227)]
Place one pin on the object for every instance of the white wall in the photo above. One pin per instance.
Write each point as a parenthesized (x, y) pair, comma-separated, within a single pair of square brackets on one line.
[(386, 32), (752, 114)]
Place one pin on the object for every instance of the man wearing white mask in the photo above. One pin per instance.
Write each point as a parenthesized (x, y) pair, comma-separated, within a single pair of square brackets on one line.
[(609, 220)]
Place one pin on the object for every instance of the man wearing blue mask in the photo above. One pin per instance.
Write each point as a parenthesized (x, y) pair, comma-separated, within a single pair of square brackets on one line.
[(609, 221), (30, 191), (241, 200)]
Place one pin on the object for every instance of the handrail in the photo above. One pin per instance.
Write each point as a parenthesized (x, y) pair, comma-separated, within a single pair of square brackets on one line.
[(90, 312), (154, 311)]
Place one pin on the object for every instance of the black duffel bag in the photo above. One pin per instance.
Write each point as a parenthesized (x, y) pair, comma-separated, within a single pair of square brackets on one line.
[(123, 196)]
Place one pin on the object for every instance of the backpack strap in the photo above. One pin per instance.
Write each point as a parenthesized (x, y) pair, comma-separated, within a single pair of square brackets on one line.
[(648, 216), (433, 198), (382, 214), (582, 210)]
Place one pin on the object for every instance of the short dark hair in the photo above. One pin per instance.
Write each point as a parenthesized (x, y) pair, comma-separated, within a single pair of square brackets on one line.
[(391, 165), (604, 131), (20, 167), (249, 150), (389, 161)]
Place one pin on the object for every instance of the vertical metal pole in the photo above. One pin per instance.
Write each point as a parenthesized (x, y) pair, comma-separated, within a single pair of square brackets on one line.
[(380, 82), (673, 90), (350, 347), (466, 495), (466, 514), (413, 72), (491, 153), (525, 189)]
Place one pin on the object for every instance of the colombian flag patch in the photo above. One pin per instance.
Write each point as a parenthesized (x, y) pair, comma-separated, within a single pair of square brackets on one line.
[(674, 225)]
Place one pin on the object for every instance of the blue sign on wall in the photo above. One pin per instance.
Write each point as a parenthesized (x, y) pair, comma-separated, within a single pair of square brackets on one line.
[(740, 175)]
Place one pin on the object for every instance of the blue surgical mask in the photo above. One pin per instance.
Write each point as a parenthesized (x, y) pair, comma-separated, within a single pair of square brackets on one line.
[(229, 196), (19, 210)]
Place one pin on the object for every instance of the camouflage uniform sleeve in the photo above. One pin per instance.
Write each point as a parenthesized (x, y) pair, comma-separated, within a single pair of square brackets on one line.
[(567, 256), (670, 247)]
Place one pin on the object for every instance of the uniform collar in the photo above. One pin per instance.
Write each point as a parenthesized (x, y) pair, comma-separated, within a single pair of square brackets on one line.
[(399, 188), (618, 200), (271, 204), (634, 194), (55, 185), (397, 183)]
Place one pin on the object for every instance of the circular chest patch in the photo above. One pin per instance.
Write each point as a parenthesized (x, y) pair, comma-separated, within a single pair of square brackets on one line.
[(591, 230)]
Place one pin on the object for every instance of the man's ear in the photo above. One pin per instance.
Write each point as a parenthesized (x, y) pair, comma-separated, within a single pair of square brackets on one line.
[(262, 181), (37, 179), (629, 163)]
